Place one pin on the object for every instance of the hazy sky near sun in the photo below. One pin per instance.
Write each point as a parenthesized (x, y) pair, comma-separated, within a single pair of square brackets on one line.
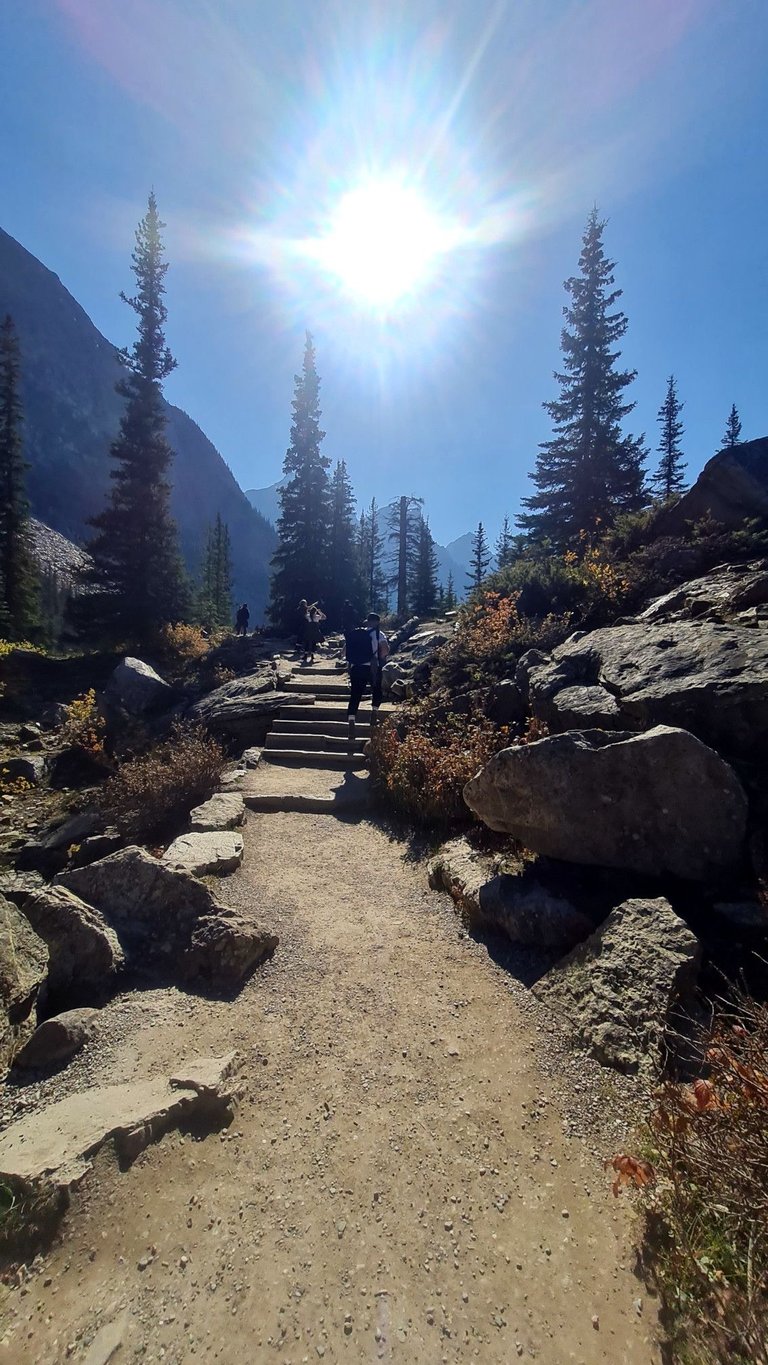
[(251, 119)]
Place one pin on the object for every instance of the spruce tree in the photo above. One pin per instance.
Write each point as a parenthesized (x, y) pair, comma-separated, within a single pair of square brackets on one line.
[(589, 471), (300, 564), (450, 593), (481, 558), (370, 551), (668, 479), (732, 435), (423, 591), (215, 607), (344, 566), (138, 577), (18, 578), (404, 522), (505, 545)]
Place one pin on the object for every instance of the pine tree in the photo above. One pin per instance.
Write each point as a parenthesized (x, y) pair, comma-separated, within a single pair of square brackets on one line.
[(138, 575), (589, 471), (370, 551), (668, 479), (423, 591), (505, 545), (450, 593), (404, 521), (732, 435), (481, 558), (18, 578), (301, 562), (215, 607), (344, 564)]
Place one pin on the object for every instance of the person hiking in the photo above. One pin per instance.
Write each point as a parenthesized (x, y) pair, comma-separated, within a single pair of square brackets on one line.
[(313, 632), (302, 617), (242, 619), (367, 648)]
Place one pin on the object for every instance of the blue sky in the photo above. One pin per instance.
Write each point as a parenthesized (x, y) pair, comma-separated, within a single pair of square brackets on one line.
[(251, 120)]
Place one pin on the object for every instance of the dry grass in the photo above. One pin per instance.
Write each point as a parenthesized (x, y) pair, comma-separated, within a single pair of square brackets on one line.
[(705, 1191), (155, 791)]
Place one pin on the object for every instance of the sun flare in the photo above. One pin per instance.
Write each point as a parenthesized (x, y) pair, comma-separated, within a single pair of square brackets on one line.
[(383, 243)]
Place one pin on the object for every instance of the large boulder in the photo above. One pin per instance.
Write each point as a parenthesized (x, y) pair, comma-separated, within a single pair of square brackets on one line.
[(659, 802), (620, 989), (57, 1039), (732, 488), (48, 852), (135, 687), (708, 678), (162, 916), (522, 907), (225, 810), (23, 967), (84, 951), (225, 948), (29, 768), (244, 708), (211, 854), (726, 592)]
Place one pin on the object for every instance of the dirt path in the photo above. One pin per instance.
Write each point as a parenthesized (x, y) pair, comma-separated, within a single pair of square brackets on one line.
[(397, 1184)]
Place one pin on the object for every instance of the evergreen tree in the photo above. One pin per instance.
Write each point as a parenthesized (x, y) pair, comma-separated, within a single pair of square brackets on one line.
[(215, 606), (505, 545), (404, 522), (300, 563), (370, 551), (589, 471), (732, 435), (138, 575), (423, 591), (481, 558), (345, 576), (450, 593), (18, 577), (668, 479)]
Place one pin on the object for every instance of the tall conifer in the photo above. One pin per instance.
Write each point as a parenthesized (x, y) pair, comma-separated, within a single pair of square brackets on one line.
[(18, 578), (370, 551), (423, 595), (138, 576), (504, 545), (480, 562), (450, 593), (669, 479), (215, 607), (300, 563), (732, 435), (589, 471), (344, 568)]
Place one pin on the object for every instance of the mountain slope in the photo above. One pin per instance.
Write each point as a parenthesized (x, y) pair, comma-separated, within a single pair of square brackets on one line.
[(72, 413)]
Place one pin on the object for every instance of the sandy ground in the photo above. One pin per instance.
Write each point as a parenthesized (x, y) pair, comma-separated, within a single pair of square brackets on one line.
[(402, 1181)]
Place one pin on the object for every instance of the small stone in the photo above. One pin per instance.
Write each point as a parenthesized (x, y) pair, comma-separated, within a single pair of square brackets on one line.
[(565, 1213), (596, 1322)]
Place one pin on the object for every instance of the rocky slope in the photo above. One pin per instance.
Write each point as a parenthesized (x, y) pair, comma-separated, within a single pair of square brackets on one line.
[(71, 416)]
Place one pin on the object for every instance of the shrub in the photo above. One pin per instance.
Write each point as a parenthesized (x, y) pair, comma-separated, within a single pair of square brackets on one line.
[(181, 644), (706, 1196), (155, 791), (423, 772), (84, 727), (491, 637)]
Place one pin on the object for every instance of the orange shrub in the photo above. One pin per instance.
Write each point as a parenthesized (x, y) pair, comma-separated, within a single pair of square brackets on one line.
[(422, 775)]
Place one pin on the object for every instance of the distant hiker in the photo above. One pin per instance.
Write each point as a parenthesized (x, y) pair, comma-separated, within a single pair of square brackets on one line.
[(302, 616), (242, 619), (367, 648), (312, 633)]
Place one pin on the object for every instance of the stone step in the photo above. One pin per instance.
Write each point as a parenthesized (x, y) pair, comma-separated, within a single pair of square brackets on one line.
[(321, 711), (300, 801), (313, 758), (318, 689), (306, 740), (309, 724)]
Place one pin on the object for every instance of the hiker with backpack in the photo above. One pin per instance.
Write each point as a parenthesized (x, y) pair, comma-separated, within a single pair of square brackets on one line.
[(367, 648)]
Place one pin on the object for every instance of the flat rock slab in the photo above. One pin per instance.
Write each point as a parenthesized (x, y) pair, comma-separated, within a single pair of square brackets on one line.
[(205, 854), (225, 810), (57, 1144)]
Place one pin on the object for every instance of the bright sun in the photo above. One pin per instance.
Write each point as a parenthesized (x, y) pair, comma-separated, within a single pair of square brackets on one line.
[(383, 243)]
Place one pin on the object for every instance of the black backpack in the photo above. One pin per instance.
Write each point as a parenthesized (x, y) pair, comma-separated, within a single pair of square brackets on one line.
[(359, 648)]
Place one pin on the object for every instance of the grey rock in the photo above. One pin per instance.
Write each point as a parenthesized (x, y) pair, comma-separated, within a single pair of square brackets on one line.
[(48, 852), (225, 810), (620, 989), (243, 709), (506, 704), (225, 948), (251, 757), (109, 1340), (725, 593), (56, 1145), (57, 1039), (31, 768), (97, 846), (84, 951), (659, 802), (135, 687), (731, 488), (16, 886), (23, 967), (521, 906), (215, 853), (707, 678)]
